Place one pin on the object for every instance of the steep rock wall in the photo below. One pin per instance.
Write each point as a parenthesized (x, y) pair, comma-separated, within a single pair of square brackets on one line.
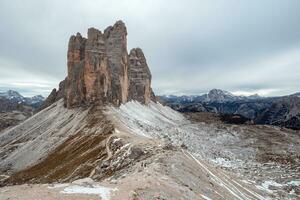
[(101, 71), (140, 77)]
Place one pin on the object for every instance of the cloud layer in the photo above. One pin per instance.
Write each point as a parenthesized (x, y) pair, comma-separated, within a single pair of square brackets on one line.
[(191, 46)]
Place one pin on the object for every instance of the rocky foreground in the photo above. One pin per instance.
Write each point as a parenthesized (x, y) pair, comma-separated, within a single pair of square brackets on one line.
[(116, 156), (145, 152)]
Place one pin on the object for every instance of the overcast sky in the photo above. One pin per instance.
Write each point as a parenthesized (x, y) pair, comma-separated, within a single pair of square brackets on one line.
[(191, 46)]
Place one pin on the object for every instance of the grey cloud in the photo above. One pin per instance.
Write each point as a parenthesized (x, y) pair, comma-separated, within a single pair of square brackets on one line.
[(191, 46)]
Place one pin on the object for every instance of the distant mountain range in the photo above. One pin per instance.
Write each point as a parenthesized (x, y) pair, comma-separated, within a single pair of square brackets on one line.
[(14, 108), (214, 95), (283, 111), (16, 97)]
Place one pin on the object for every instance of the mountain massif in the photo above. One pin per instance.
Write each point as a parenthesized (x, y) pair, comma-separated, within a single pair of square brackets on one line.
[(102, 135), (15, 108), (283, 112), (280, 111), (17, 98)]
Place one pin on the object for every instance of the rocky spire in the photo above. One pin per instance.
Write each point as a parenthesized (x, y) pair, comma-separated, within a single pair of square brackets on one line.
[(101, 71), (140, 77), (75, 80)]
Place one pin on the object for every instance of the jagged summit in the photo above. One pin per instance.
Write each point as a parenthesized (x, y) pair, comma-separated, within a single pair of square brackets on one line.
[(100, 70), (11, 94), (218, 95), (16, 97)]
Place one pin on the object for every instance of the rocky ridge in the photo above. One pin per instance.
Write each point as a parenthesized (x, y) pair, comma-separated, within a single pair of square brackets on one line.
[(16, 98), (221, 102), (213, 96), (55, 95), (283, 112)]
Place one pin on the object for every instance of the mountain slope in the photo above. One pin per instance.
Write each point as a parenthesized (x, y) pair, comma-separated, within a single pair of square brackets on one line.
[(126, 154), (30, 141), (14, 108), (280, 111), (283, 112), (257, 153), (218, 101), (213, 96), (132, 147), (217, 95)]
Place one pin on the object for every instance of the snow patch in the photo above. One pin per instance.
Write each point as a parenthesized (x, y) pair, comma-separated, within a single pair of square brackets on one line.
[(223, 162), (267, 184), (103, 192), (85, 186), (59, 185), (205, 197), (294, 183), (148, 121)]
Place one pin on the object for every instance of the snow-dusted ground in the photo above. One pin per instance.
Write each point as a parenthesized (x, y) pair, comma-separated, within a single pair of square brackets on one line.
[(30, 141), (149, 120), (158, 121), (86, 186), (232, 147), (204, 164)]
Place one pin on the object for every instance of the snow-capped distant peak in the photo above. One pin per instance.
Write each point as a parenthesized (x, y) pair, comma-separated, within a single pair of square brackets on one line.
[(18, 98), (217, 95), (11, 94)]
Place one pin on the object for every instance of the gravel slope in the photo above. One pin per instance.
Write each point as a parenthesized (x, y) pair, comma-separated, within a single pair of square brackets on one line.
[(267, 156), (32, 140), (145, 152)]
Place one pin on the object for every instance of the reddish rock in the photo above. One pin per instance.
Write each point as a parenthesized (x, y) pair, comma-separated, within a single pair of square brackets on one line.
[(96, 73), (101, 71), (75, 84)]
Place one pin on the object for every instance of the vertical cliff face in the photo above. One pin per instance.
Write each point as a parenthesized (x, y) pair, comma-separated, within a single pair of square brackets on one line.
[(140, 77), (116, 48), (96, 75), (75, 80), (101, 71)]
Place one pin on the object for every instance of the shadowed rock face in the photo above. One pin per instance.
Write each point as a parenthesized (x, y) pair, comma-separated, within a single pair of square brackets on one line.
[(283, 112), (101, 71), (140, 77), (75, 79)]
